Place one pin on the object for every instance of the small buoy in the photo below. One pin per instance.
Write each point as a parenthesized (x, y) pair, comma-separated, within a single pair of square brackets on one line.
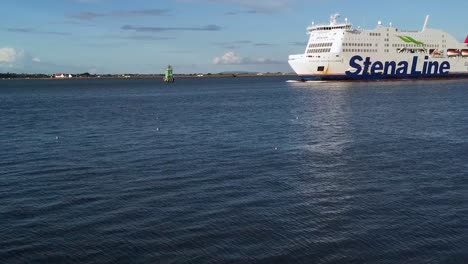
[(157, 129), (276, 148), (56, 137), (169, 76)]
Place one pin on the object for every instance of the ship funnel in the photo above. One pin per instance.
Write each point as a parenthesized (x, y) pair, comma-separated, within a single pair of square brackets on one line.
[(426, 22), (466, 40)]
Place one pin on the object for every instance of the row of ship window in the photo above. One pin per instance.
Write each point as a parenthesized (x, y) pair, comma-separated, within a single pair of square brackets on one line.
[(363, 50), (320, 45), (374, 34), (316, 45), (318, 50), (330, 28), (359, 50), (414, 45), (357, 44)]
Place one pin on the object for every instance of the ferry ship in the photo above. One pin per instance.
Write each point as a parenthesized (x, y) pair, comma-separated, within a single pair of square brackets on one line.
[(339, 51)]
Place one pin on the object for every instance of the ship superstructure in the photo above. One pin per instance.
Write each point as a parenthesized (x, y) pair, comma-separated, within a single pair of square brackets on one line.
[(340, 51)]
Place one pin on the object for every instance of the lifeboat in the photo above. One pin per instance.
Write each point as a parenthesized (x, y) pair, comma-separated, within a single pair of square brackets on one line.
[(453, 52), (464, 52), (436, 53)]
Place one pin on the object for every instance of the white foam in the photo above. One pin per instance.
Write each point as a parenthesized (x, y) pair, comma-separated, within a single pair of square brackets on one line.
[(308, 81)]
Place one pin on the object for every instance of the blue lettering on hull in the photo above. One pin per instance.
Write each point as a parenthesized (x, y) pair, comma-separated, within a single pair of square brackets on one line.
[(366, 69), (369, 77)]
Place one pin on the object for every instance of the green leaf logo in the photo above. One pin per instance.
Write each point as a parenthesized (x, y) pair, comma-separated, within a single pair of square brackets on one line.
[(408, 39)]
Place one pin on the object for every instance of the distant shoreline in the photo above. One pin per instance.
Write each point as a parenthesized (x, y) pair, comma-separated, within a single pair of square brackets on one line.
[(142, 76)]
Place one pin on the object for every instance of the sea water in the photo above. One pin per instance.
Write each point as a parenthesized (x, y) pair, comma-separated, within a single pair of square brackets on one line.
[(233, 170)]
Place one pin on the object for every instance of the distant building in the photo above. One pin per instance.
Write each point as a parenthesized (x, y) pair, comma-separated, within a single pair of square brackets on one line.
[(62, 76)]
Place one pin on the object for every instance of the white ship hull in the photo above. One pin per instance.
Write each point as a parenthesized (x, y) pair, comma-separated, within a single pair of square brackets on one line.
[(338, 51)]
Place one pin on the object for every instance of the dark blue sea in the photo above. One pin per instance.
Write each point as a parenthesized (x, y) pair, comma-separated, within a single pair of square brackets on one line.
[(233, 170)]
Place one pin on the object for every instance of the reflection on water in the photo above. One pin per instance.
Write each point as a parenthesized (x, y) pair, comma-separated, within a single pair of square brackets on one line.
[(323, 114), (372, 148)]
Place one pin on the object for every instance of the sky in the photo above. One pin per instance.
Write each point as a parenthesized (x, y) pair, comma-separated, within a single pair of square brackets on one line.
[(195, 36)]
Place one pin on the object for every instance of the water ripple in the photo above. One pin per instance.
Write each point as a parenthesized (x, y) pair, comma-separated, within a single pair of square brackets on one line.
[(241, 170)]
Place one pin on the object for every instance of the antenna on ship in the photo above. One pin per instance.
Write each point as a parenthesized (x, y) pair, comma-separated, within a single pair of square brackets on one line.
[(334, 18), (426, 22)]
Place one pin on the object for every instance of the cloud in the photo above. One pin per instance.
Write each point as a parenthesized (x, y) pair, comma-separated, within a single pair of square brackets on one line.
[(36, 31), (237, 44), (264, 44), (161, 29), (87, 16), (233, 13), (10, 55), (228, 58), (145, 12), (20, 61), (232, 44), (14, 59), (258, 6), (252, 6), (231, 58), (144, 37), (299, 43)]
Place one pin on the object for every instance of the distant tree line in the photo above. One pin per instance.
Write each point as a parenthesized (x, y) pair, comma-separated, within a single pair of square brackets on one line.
[(9, 75)]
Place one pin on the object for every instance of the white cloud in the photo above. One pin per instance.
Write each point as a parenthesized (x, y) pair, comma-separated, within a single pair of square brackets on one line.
[(11, 55), (231, 58), (17, 58), (20, 61)]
